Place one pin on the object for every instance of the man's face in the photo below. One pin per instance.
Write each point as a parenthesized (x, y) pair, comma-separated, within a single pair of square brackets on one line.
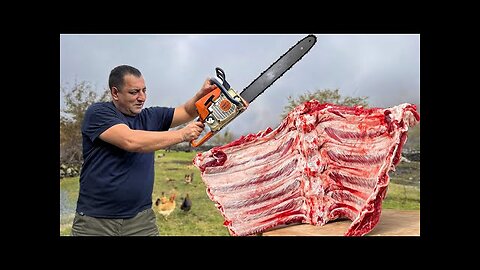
[(132, 96)]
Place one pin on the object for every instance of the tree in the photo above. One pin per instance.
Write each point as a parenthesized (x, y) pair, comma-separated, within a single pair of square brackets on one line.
[(323, 96), (76, 100)]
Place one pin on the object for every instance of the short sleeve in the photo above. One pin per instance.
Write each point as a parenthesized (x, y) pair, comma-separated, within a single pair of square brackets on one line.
[(99, 118)]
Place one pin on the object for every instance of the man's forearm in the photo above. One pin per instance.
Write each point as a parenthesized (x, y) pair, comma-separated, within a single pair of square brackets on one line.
[(185, 112), (190, 107), (149, 141)]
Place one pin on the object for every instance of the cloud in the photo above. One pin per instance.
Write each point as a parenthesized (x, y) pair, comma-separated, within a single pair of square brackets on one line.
[(386, 68)]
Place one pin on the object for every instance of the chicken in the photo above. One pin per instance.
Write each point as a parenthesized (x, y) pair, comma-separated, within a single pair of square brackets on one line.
[(165, 207), (186, 204)]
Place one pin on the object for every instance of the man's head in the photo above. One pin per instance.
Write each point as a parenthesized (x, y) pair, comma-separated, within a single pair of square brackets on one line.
[(128, 89)]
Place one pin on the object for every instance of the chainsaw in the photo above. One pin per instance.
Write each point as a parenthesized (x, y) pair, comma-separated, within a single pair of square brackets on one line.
[(223, 103)]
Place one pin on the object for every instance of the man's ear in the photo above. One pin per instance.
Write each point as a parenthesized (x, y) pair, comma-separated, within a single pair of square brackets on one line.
[(114, 92)]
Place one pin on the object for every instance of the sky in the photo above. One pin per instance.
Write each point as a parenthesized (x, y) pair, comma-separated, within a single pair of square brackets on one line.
[(383, 67)]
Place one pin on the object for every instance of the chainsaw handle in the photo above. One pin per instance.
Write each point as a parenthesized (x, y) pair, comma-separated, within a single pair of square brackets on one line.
[(221, 74), (202, 140), (198, 142), (224, 91)]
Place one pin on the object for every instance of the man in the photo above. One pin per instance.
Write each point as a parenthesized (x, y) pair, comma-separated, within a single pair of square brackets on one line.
[(119, 142)]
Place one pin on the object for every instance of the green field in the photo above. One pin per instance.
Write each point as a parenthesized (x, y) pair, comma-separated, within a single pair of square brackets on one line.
[(204, 219)]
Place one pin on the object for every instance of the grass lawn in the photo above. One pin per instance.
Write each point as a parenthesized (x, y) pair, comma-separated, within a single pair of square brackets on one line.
[(204, 219)]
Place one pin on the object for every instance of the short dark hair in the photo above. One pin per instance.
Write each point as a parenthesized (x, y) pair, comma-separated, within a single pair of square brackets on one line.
[(116, 75)]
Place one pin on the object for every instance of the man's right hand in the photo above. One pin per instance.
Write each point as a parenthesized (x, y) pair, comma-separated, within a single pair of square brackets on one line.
[(192, 131)]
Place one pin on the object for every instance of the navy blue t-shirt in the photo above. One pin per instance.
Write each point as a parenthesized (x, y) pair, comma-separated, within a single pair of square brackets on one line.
[(115, 183)]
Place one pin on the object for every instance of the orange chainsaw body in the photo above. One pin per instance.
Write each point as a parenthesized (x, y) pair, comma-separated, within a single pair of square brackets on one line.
[(218, 108)]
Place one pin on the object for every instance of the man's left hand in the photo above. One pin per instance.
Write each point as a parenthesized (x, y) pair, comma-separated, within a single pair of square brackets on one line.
[(207, 87)]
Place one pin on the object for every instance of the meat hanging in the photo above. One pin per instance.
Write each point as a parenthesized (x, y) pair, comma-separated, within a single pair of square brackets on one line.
[(323, 162)]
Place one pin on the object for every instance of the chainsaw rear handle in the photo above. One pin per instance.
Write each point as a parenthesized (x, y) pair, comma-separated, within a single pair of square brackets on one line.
[(202, 140)]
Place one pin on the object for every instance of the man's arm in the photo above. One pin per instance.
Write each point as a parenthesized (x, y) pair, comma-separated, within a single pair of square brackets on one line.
[(187, 111), (144, 141)]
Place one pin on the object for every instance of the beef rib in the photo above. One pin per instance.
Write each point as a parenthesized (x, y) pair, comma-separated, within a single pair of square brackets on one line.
[(323, 162)]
